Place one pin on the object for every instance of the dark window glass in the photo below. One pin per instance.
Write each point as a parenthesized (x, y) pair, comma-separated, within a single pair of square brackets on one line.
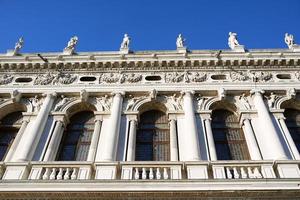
[(228, 136), (153, 138), (77, 137), (293, 123), (9, 128)]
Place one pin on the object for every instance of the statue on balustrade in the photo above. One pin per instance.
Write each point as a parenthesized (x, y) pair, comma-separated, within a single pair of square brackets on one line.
[(232, 40), (126, 42), (289, 40), (180, 41)]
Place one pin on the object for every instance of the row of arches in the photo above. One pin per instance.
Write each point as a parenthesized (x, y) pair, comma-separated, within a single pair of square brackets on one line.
[(153, 134)]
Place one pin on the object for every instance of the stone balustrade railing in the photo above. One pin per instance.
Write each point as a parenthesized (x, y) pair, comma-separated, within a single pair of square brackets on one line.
[(60, 170), (151, 170), (158, 171)]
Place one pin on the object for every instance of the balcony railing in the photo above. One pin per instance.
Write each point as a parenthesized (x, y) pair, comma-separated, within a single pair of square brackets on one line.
[(156, 171)]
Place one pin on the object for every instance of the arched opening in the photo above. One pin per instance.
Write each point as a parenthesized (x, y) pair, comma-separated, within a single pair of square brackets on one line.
[(153, 137), (228, 136), (77, 137), (293, 123), (9, 128)]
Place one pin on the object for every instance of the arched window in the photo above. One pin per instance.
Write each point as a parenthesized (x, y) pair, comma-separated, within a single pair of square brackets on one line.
[(9, 128), (77, 137), (153, 137), (228, 136), (293, 123)]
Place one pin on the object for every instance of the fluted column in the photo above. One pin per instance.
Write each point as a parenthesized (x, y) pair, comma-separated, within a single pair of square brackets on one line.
[(131, 140), (191, 133), (269, 135), (30, 139), (173, 141), (291, 143), (95, 139), (17, 139), (54, 141), (210, 140), (251, 140), (109, 150)]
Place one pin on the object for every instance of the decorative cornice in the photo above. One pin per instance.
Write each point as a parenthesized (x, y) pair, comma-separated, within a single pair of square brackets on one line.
[(151, 59)]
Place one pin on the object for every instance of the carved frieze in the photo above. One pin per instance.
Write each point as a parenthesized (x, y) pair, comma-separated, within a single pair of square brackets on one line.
[(239, 76), (186, 77), (64, 78), (262, 76), (44, 79), (120, 78), (6, 79)]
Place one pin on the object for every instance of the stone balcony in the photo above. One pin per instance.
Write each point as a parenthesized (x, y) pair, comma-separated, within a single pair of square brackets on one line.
[(142, 170)]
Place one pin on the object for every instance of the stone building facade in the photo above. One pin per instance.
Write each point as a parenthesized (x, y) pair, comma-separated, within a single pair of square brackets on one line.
[(150, 124)]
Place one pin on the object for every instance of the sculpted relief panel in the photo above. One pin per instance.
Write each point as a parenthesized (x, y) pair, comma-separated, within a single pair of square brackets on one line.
[(67, 78)]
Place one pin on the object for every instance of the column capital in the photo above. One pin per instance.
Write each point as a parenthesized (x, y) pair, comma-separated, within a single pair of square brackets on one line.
[(132, 117), (257, 91), (62, 117), (121, 93), (187, 92), (50, 94), (98, 117), (205, 116)]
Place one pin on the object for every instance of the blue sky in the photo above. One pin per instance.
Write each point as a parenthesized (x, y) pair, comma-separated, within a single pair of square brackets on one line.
[(47, 25)]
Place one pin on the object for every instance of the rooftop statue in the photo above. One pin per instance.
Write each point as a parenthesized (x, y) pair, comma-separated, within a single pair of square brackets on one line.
[(126, 41), (289, 40), (232, 40), (72, 43), (180, 41), (19, 45)]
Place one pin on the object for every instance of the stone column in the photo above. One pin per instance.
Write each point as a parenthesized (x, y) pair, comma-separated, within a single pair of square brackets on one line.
[(131, 139), (173, 141), (210, 140), (289, 138), (191, 133), (17, 139), (30, 139), (95, 139), (251, 139), (269, 136), (109, 150), (51, 151)]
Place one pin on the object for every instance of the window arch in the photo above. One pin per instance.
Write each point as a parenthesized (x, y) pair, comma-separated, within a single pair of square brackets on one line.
[(153, 137), (77, 137), (228, 136), (293, 123), (9, 128)]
